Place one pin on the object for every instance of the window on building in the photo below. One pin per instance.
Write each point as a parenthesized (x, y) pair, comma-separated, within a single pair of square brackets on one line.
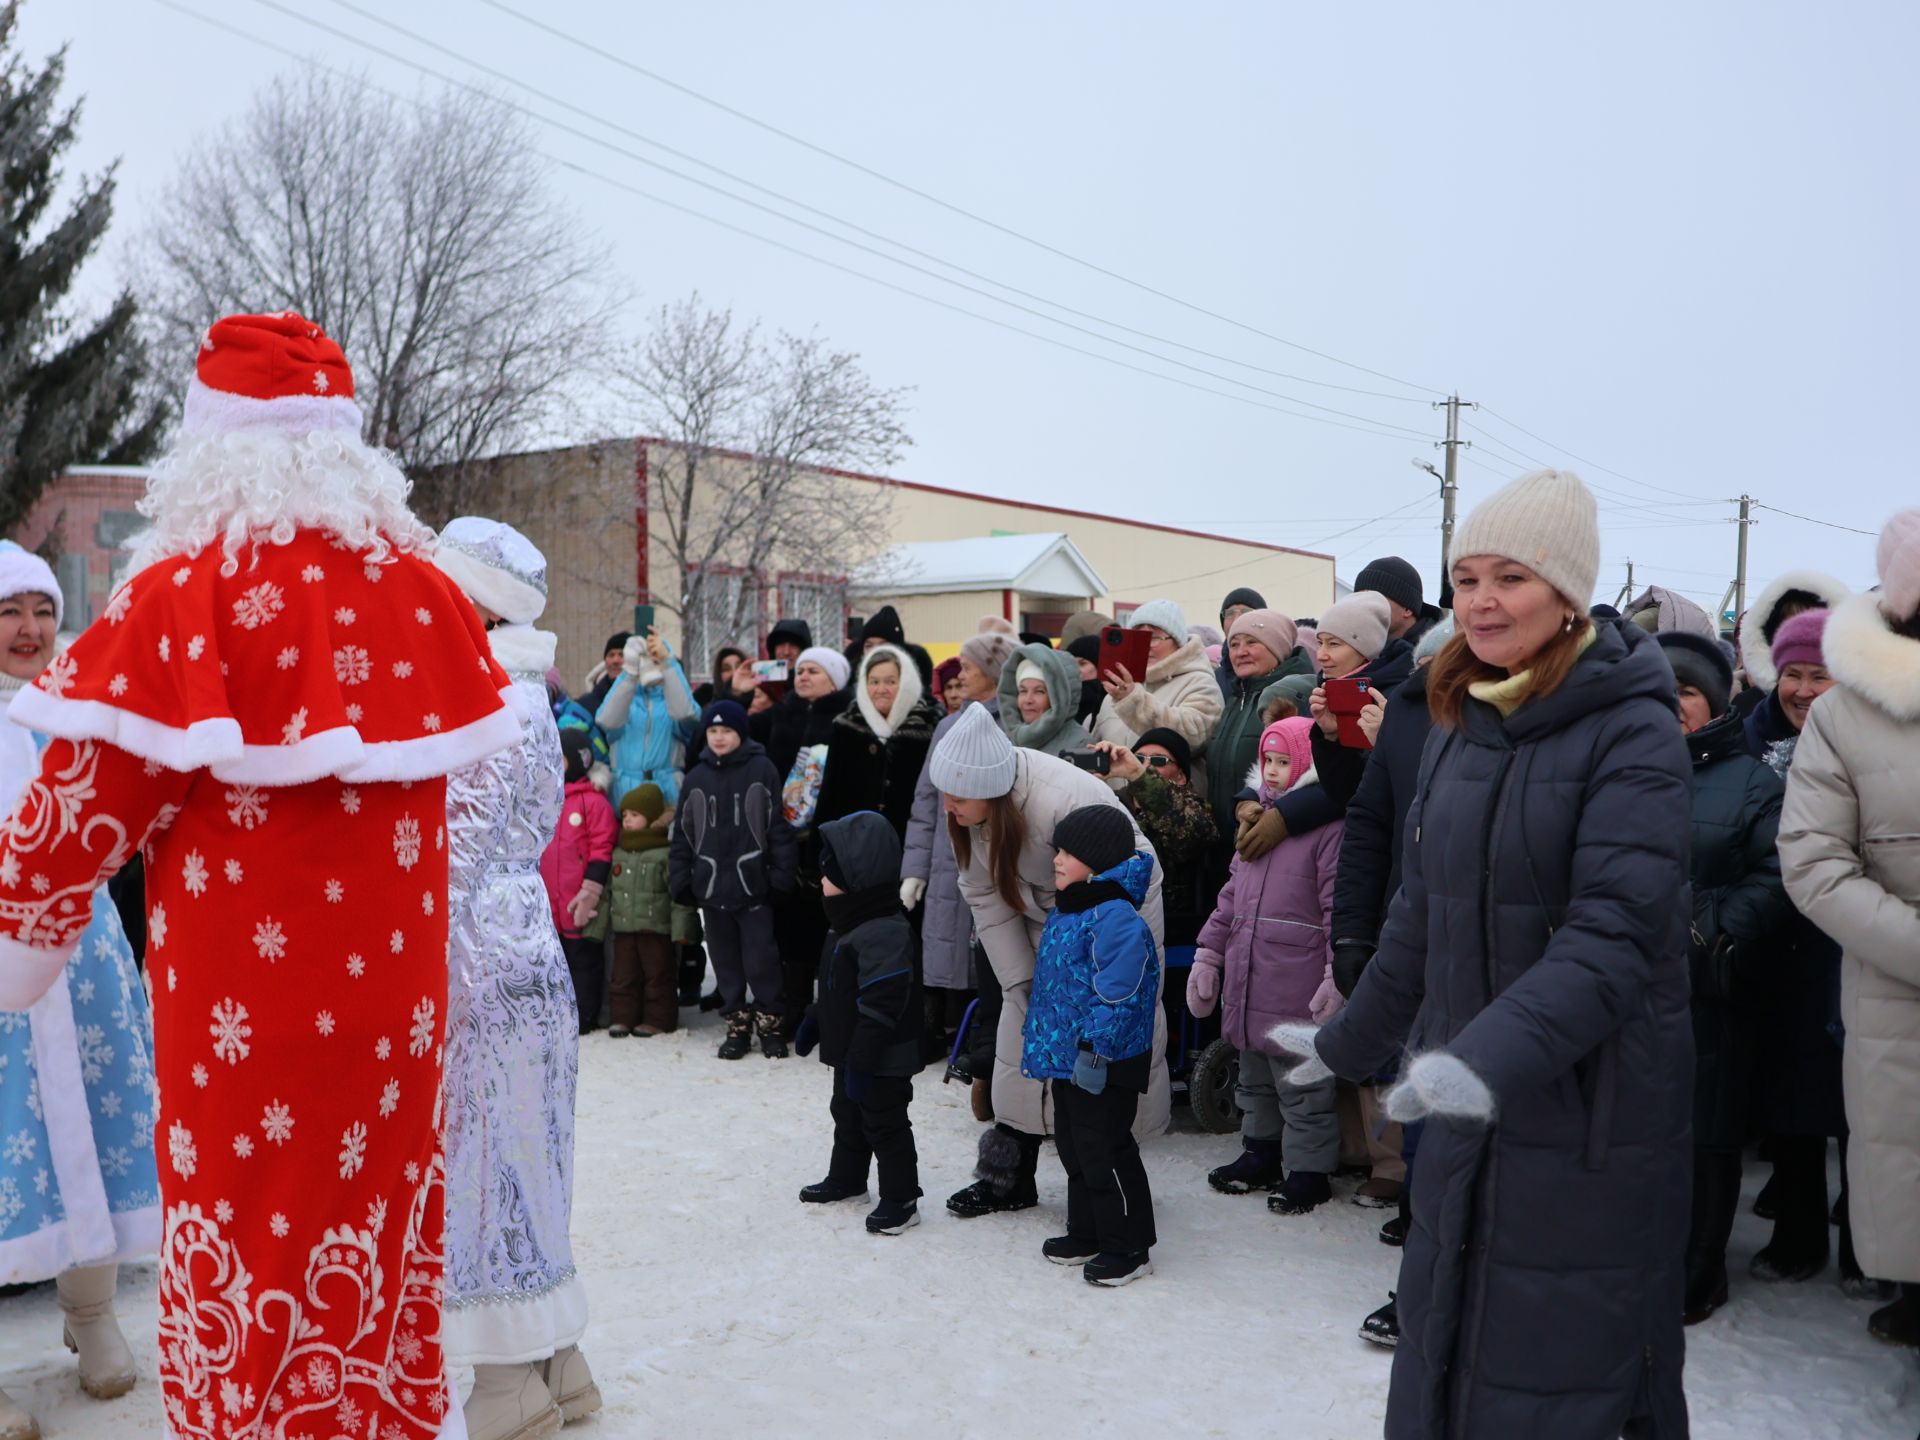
[(820, 600), (727, 611)]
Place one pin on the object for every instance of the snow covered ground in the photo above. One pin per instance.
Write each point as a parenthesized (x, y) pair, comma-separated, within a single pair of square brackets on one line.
[(723, 1306)]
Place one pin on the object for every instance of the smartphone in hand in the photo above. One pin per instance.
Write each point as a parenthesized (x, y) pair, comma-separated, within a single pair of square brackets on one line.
[(1098, 761), (1127, 647), (1346, 698)]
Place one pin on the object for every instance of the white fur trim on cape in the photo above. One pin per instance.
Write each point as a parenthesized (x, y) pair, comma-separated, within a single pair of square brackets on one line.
[(1756, 654), (217, 746), (506, 595), (210, 411), (76, 1159), (524, 651), (26, 973), (904, 700), (1869, 659), (497, 1330)]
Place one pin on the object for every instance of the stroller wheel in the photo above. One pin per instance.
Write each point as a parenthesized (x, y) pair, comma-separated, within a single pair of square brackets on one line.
[(1210, 1085)]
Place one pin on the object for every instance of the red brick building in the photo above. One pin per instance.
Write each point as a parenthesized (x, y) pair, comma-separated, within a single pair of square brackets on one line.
[(84, 521)]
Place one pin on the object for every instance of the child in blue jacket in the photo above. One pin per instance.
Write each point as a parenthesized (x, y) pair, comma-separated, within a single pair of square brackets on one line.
[(1096, 982)]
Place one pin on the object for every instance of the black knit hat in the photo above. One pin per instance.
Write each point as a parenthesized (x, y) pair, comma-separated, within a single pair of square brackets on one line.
[(1098, 836), (795, 632), (1701, 663), (576, 746), (884, 624), (1246, 596), (1172, 741), (1394, 578), (616, 641), (1086, 648)]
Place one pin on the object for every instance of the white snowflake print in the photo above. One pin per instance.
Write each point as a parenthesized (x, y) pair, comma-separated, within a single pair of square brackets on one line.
[(278, 1224), (58, 676), (117, 686), (111, 1104), (382, 1048), (350, 800), (344, 616), (181, 1151), (430, 722), (288, 658), (276, 1122), (347, 1415), (182, 576), (426, 902), (223, 1211), (259, 606), (193, 874), (323, 1022), (420, 1038), (196, 647), (356, 967), (354, 712), (199, 1073), (351, 665), (40, 884), (166, 648), (20, 1146), (9, 870), (247, 806), (440, 838), (83, 992), (406, 842), (353, 1149), (295, 729), (233, 1399), (319, 382), (397, 942), (389, 1099), (373, 572), (313, 574), (230, 1032), (95, 1053), (413, 1173), (121, 602), (243, 1146), (157, 926), (234, 872), (335, 892), (377, 1215), (116, 1162), (173, 980), (423, 615), (320, 1375), (270, 939)]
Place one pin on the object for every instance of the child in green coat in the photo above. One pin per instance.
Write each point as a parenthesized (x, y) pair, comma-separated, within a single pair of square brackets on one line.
[(647, 925)]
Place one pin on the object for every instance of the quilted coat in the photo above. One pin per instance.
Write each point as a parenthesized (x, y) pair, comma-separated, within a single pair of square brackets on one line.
[(946, 925), (1096, 977)]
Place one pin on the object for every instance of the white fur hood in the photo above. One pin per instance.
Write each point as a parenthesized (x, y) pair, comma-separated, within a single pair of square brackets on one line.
[(1312, 777), (1756, 652), (1866, 657)]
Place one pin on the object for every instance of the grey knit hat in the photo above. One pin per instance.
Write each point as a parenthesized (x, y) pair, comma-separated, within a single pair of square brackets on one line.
[(974, 760), (1548, 522), (1362, 620), (1162, 615), (989, 652)]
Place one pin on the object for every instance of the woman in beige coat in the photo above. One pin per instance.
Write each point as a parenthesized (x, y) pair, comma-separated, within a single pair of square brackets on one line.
[(1002, 805), (1179, 692), (1850, 852)]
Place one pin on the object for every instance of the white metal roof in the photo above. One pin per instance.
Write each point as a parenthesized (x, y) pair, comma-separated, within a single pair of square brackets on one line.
[(1043, 564)]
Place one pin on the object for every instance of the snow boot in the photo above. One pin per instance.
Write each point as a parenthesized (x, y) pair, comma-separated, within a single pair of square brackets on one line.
[(739, 1035), (691, 965), (830, 1191), (1378, 1194), (1898, 1323), (570, 1383), (981, 1198), (1004, 1172), (1394, 1232), (1114, 1268), (1257, 1167), (15, 1422), (1069, 1250), (510, 1402), (893, 1217), (773, 1045), (618, 1032), (1382, 1327), (1765, 1204), (86, 1300), (1300, 1193), (1706, 1289)]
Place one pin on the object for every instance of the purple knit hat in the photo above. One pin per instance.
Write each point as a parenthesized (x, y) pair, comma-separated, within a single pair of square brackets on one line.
[(1798, 641)]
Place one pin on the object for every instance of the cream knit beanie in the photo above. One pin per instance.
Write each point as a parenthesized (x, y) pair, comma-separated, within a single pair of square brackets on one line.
[(974, 760), (1362, 620), (1548, 522)]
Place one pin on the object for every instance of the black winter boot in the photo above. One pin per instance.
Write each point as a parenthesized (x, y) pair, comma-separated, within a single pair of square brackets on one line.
[(773, 1044), (1716, 1198), (1006, 1165), (893, 1217), (1257, 1167), (692, 967), (831, 1191), (1799, 1247), (739, 1035), (1898, 1323), (1113, 1268), (1394, 1232), (1382, 1327), (1300, 1193)]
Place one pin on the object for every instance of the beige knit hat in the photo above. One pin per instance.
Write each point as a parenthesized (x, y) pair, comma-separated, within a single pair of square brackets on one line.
[(1548, 522), (1362, 620)]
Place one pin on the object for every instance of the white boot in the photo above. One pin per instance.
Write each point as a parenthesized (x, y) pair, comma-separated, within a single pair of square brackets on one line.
[(510, 1402), (86, 1300), (15, 1423), (570, 1383)]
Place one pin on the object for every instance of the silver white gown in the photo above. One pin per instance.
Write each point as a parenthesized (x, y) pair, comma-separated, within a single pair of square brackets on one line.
[(512, 1048)]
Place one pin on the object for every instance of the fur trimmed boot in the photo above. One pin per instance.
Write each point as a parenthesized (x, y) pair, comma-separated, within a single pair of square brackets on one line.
[(1005, 1176), (92, 1333), (510, 1402)]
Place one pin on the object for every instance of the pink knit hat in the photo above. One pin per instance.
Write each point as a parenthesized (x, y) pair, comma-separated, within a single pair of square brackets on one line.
[(1798, 641), (1898, 561), (1291, 737)]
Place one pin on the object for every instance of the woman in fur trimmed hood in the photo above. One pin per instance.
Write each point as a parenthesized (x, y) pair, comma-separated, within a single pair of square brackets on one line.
[(880, 742)]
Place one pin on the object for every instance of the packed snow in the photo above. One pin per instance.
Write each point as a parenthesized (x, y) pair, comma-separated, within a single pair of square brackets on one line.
[(722, 1306)]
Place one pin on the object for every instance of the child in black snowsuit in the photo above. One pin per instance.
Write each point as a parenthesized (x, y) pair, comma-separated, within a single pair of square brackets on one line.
[(732, 852), (867, 1020)]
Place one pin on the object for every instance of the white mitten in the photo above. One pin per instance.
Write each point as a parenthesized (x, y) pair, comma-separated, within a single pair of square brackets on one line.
[(634, 654), (1297, 1039), (912, 890), (1437, 1083)]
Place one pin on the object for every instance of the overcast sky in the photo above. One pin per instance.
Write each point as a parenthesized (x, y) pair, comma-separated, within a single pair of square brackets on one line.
[(1677, 239)]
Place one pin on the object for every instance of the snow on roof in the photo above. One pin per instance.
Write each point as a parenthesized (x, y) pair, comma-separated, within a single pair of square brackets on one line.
[(1043, 564)]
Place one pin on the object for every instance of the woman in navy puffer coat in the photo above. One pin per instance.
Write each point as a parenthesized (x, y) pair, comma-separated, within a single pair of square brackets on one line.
[(1540, 935)]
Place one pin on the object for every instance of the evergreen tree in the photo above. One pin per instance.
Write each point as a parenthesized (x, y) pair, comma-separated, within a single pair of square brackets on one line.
[(70, 389)]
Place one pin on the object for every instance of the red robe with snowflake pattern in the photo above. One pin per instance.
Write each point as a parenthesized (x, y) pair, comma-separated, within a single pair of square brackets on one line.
[(276, 742)]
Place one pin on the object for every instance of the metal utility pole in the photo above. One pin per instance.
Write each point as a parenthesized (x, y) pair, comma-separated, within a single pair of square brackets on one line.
[(1449, 483), (1740, 569)]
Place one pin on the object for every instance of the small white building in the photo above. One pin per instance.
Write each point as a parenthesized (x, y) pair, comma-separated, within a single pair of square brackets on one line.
[(942, 588)]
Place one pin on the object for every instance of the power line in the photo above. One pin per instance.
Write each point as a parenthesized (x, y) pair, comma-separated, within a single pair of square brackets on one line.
[(1595, 464), (947, 205), (591, 139), (1850, 529)]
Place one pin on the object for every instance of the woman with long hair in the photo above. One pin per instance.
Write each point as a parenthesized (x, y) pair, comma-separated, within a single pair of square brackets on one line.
[(1540, 938)]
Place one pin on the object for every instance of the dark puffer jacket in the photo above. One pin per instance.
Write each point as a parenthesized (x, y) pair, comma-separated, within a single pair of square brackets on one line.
[(1377, 815), (732, 848), (1740, 912), (1236, 739), (869, 1006), (792, 722), (1540, 935), (865, 772)]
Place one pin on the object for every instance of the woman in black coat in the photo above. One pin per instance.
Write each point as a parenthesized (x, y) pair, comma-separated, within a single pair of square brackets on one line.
[(1540, 937), (879, 743)]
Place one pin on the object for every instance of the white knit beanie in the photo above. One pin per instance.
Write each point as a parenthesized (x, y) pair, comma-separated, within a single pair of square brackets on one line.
[(1029, 671), (1362, 620), (974, 760), (1162, 615), (24, 573), (1548, 522), (831, 661)]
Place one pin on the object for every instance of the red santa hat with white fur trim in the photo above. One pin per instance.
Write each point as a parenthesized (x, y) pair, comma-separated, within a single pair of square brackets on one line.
[(269, 372)]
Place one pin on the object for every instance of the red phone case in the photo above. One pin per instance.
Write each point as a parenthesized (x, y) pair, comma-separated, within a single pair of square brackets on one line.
[(1119, 646), (1346, 698)]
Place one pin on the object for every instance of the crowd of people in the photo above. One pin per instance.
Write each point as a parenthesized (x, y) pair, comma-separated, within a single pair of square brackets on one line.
[(1533, 919)]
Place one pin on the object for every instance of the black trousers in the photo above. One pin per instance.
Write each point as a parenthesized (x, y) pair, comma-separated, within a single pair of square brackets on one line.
[(740, 944), (1108, 1201), (875, 1127), (800, 933), (587, 963)]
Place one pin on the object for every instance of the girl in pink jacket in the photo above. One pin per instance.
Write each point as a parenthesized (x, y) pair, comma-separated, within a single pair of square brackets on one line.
[(575, 867), (1266, 956)]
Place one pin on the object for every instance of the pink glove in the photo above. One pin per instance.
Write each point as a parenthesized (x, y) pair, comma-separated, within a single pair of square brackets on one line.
[(1203, 984), (1326, 1002), (585, 904)]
